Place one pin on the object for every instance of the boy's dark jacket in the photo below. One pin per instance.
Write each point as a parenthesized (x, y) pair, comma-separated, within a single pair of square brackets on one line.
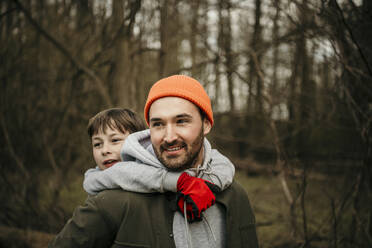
[(118, 218)]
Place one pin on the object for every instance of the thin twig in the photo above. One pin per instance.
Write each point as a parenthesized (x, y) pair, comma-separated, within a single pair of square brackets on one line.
[(13, 154), (303, 205)]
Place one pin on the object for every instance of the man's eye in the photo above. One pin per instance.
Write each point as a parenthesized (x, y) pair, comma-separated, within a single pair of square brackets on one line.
[(181, 121)]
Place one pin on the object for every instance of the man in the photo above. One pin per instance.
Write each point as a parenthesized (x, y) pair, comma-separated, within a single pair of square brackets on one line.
[(179, 114)]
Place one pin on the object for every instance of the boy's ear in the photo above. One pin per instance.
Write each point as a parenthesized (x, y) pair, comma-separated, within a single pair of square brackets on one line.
[(206, 126)]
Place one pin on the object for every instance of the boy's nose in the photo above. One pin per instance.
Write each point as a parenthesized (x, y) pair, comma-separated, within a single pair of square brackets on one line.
[(105, 150)]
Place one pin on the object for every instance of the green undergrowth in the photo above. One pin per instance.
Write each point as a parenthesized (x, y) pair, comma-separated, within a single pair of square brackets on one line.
[(73, 195), (321, 215), (70, 194)]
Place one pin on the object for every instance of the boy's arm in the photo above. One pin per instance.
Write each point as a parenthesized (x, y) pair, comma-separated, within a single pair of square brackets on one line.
[(143, 178), (131, 176)]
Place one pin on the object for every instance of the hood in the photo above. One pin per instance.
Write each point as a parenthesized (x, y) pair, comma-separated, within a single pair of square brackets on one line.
[(137, 146)]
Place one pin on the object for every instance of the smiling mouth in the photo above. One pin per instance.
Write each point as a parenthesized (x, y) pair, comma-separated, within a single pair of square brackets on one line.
[(173, 150), (109, 163)]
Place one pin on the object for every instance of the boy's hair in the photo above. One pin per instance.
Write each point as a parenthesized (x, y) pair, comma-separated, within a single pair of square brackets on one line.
[(116, 118)]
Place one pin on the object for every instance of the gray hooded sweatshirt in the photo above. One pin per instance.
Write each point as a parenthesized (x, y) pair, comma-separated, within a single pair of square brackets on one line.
[(142, 172)]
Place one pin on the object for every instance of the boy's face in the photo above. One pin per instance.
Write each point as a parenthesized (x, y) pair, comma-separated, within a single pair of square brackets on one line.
[(106, 147), (177, 132)]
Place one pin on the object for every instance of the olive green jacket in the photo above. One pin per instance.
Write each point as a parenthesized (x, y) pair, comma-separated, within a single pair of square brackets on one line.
[(118, 218)]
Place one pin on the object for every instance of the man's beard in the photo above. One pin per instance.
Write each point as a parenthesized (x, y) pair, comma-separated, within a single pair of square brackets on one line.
[(185, 161)]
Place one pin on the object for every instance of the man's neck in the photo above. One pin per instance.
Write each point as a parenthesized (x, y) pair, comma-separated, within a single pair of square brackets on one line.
[(200, 158)]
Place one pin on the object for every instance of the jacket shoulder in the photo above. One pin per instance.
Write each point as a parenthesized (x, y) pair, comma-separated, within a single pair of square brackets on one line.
[(240, 217), (112, 204), (116, 198), (235, 190), (236, 199), (138, 219)]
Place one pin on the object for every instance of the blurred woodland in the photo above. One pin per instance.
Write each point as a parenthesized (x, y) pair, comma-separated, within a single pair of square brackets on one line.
[(290, 82)]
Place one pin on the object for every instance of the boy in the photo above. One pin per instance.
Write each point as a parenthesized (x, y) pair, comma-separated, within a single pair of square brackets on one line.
[(117, 167), (108, 130)]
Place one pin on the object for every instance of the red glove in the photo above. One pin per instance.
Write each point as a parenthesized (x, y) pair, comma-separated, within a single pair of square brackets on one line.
[(197, 193)]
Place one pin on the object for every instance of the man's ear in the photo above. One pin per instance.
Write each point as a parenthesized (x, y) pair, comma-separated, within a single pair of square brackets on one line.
[(206, 126)]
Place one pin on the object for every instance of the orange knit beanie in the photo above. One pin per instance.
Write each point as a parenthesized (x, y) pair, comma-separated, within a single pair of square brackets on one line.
[(183, 87)]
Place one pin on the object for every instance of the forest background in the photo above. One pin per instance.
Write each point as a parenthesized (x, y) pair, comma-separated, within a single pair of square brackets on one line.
[(291, 87)]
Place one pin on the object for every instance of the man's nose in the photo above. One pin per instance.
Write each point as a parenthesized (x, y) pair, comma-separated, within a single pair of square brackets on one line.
[(170, 134)]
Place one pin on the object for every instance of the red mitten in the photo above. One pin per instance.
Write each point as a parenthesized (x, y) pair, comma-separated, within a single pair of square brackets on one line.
[(197, 193)]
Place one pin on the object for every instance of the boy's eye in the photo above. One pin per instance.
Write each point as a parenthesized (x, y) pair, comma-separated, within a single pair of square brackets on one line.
[(116, 140), (97, 145), (156, 124)]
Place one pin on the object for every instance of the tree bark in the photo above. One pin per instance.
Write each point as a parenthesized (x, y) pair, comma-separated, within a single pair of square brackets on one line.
[(225, 37), (169, 37)]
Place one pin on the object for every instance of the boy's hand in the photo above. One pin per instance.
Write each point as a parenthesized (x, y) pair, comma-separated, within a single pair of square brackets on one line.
[(197, 193)]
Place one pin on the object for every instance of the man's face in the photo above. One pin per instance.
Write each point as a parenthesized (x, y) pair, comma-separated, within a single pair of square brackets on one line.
[(106, 147), (177, 132)]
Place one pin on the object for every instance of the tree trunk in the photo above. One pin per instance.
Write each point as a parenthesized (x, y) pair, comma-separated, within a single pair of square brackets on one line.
[(194, 31), (275, 33), (123, 73), (255, 46), (225, 38), (169, 37), (121, 81)]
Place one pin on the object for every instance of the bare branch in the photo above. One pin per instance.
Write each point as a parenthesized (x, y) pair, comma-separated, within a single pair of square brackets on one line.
[(7, 12), (50, 155), (100, 84), (352, 37), (17, 159)]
